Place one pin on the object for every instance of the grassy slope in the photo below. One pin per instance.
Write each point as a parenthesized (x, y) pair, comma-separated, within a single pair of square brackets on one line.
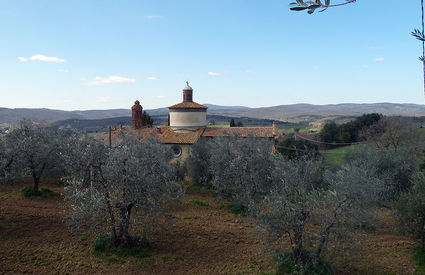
[(337, 155)]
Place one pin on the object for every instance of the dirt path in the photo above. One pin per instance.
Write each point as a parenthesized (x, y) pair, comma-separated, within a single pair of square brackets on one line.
[(205, 239)]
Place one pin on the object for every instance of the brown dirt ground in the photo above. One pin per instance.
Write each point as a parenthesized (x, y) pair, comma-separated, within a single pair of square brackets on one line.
[(204, 240)]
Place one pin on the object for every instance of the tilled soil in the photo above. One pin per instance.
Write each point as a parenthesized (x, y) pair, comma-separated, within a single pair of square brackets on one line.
[(205, 239)]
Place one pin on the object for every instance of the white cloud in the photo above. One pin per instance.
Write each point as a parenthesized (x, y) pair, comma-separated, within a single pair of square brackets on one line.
[(316, 68), (152, 17), (110, 79), (161, 96), (379, 59), (214, 74), (365, 66), (248, 71), (40, 57), (63, 70), (152, 78)]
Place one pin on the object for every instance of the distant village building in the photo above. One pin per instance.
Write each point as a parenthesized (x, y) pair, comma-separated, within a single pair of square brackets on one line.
[(187, 124)]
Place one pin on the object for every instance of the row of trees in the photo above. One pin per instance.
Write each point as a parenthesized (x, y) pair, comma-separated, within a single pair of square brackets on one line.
[(106, 188), (234, 124), (348, 132), (302, 198), (384, 132)]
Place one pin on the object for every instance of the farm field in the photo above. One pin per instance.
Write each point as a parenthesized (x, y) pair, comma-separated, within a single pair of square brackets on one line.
[(205, 239)]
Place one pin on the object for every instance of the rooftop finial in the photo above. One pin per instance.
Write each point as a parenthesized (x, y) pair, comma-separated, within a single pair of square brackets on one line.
[(187, 83)]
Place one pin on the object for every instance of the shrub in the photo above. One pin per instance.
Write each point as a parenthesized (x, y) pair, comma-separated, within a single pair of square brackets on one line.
[(104, 245), (419, 256), (29, 191), (237, 209), (46, 193), (286, 264)]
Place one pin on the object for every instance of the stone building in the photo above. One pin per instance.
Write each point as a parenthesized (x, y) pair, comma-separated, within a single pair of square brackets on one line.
[(188, 124)]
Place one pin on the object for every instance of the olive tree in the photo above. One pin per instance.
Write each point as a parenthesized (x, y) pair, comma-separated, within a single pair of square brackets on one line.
[(308, 213), (199, 162), (240, 167), (394, 167), (32, 151), (410, 209), (119, 185), (7, 159)]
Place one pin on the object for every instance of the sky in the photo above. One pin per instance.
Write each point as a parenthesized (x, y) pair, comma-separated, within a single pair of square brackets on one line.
[(101, 54)]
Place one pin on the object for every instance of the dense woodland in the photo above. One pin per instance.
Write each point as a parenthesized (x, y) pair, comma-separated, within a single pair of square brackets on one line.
[(290, 192)]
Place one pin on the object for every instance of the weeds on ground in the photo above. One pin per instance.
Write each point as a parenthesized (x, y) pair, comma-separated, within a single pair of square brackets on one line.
[(104, 248), (419, 259), (29, 191), (286, 264), (237, 209)]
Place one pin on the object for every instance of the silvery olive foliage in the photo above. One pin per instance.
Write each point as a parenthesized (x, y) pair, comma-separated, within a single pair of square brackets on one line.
[(312, 5), (30, 150), (312, 214), (7, 159), (240, 168), (199, 163), (300, 198), (410, 209), (394, 167), (115, 187)]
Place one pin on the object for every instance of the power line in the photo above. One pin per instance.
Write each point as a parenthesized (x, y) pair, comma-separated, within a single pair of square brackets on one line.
[(327, 143)]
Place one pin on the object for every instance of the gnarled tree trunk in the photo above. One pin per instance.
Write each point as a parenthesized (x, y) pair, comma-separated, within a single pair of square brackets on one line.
[(123, 234)]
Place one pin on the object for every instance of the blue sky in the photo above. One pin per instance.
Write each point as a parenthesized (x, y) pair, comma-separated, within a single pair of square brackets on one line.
[(77, 55)]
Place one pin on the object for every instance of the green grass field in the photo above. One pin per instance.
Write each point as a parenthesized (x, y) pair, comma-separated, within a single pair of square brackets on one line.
[(337, 155)]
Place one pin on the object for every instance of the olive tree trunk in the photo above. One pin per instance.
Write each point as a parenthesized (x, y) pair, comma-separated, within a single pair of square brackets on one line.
[(123, 234)]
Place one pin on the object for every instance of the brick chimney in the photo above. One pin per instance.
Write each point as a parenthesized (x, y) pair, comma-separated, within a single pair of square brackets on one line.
[(137, 115), (187, 93)]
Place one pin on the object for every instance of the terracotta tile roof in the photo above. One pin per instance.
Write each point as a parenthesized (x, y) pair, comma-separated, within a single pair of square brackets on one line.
[(142, 134), (171, 136), (188, 105), (263, 132)]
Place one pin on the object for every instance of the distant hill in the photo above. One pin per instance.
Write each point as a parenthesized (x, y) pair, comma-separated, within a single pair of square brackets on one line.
[(48, 115), (314, 113), (296, 113), (101, 125)]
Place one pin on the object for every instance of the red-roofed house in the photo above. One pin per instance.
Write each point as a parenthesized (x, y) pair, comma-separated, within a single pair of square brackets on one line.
[(188, 124)]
